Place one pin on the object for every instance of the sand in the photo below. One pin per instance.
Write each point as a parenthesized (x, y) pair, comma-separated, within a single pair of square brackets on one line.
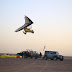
[(35, 65)]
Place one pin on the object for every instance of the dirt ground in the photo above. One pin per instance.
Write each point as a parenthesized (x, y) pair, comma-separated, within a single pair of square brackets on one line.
[(35, 65)]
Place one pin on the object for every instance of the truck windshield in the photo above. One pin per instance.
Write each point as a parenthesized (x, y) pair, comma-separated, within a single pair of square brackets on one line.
[(57, 53), (22, 52)]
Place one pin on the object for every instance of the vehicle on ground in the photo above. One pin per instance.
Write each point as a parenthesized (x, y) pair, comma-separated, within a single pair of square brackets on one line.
[(31, 54), (35, 54), (25, 54), (53, 55)]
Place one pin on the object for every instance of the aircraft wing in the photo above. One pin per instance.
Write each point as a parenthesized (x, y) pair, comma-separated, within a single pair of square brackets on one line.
[(20, 28), (28, 22)]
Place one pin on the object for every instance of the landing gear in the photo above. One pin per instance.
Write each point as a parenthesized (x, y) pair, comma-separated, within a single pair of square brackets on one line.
[(24, 32)]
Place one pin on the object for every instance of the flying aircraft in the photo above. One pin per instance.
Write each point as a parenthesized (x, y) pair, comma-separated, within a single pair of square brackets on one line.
[(28, 23)]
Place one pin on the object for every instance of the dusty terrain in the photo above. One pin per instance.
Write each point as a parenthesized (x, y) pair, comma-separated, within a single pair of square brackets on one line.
[(35, 65)]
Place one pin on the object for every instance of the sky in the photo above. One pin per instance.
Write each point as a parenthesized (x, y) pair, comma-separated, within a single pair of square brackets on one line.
[(52, 26)]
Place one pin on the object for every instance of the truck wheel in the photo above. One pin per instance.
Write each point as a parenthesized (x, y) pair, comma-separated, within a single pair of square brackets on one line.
[(45, 57), (22, 56), (31, 57), (51, 59), (61, 59), (42, 57), (55, 58), (36, 57)]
